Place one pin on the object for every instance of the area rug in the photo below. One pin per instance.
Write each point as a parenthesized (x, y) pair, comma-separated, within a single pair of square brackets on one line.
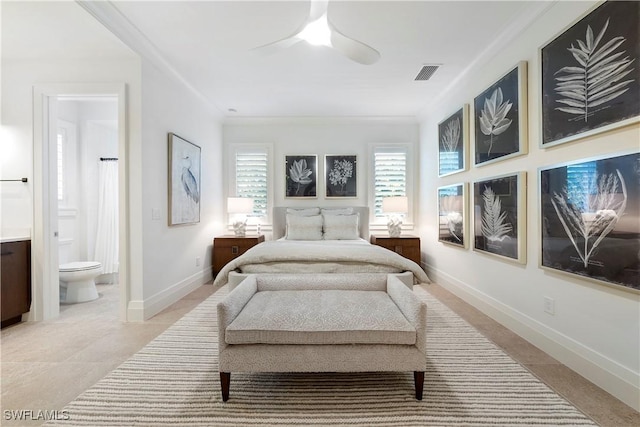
[(174, 381)]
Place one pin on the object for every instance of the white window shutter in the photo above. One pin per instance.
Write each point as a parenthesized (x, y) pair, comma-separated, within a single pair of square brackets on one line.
[(251, 179), (390, 176)]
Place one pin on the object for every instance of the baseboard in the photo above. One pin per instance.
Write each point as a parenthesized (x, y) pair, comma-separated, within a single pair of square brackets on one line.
[(135, 311), (141, 310), (605, 373)]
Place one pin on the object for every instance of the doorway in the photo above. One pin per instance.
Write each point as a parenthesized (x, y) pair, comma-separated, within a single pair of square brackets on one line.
[(87, 193), (46, 237)]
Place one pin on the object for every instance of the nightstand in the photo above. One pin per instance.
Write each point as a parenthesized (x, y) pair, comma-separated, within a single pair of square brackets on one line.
[(227, 248), (407, 246)]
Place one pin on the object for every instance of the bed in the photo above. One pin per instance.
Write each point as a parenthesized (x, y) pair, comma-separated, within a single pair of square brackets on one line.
[(320, 241)]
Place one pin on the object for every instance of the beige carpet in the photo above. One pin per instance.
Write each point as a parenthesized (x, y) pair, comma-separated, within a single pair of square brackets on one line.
[(174, 381)]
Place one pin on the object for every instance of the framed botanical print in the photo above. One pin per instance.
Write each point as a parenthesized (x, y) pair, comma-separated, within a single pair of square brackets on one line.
[(452, 215), (340, 176), (499, 216), (590, 74), (184, 181), (301, 174), (590, 219), (453, 142), (500, 118)]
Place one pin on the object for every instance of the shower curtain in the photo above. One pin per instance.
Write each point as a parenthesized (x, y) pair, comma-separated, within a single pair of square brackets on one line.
[(106, 250)]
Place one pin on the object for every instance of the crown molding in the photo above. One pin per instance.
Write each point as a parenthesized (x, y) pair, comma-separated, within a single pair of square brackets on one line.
[(515, 28), (112, 18), (319, 120)]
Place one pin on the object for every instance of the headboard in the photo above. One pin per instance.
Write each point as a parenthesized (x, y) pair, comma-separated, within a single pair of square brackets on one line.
[(280, 219)]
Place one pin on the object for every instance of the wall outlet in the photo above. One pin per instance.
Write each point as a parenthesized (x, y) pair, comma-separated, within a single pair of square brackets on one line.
[(197, 261), (549, 305)]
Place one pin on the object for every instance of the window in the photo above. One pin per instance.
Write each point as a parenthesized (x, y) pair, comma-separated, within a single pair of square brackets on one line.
[(251, 179), (249, 175), (390, 174)]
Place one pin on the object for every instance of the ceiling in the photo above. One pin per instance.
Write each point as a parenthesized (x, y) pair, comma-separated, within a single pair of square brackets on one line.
[(208, 44)]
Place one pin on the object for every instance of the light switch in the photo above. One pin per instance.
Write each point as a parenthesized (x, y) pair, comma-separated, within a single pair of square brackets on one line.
[(155, 214)]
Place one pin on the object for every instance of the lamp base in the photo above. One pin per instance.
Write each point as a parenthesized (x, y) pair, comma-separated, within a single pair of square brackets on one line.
[(395, 227), (240, 228)]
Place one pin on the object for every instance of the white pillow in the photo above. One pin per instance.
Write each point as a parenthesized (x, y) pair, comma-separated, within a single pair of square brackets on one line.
[(303, 211), (304, 227), (337, 211), (341, 227)]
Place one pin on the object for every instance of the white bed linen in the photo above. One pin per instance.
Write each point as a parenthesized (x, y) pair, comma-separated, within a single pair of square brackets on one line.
[(319, 256), (359, 241)]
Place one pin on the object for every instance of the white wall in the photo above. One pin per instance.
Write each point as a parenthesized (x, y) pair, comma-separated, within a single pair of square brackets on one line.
[(322, 136), (161, 259), (596, 328), (170, 253)]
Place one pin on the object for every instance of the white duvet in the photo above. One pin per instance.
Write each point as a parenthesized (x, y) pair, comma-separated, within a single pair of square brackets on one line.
[(335, 256)]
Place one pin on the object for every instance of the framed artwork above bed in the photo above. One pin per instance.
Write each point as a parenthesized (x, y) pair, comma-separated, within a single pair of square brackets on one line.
[(590, 219), (340, 176), (301, 174)]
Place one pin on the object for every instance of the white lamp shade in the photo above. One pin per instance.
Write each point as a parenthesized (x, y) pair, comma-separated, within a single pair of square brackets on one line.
[(239, 205), (396, 205)]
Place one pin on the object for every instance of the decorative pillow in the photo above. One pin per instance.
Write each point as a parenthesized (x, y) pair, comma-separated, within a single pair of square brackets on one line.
[(304, 227), (303, 211), (337, 211), (341, 227)]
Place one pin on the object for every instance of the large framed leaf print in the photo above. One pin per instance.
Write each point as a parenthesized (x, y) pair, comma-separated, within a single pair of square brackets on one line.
[(453, 142), (452, 215), (591, 74), (301, 174), (499, 216), (500, 118), (590, 219)]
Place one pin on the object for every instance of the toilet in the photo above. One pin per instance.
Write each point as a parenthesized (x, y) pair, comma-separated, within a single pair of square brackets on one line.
[(77, 281)]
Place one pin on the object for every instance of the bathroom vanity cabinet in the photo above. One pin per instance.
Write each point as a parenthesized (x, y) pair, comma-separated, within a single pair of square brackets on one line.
[(15, 280)]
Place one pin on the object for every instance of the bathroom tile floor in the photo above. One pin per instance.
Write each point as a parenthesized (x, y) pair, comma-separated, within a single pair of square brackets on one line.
[(45, 365)]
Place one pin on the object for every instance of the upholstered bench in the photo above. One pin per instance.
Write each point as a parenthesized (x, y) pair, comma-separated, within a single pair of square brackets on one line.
[(328, 323)]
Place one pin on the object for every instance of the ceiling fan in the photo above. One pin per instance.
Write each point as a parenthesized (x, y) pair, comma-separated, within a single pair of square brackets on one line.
[(318, 30)]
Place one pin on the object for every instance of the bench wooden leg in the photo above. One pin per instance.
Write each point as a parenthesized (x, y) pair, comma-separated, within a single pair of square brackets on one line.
[(418, 379), (225, 380)]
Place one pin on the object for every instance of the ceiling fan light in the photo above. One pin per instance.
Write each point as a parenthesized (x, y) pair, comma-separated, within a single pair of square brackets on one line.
[(317, 33)]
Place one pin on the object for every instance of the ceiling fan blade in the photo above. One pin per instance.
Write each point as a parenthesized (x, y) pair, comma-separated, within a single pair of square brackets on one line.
[(271, 48), (353, 49), (318, 8)]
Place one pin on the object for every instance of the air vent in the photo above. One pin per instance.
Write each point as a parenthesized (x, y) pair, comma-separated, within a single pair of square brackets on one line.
[(426, 72)]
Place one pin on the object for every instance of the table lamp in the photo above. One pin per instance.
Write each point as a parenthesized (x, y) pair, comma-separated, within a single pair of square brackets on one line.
[(395, 207), (239, 207)]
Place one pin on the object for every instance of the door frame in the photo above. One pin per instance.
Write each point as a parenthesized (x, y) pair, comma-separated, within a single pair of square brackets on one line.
[(44, 248)]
